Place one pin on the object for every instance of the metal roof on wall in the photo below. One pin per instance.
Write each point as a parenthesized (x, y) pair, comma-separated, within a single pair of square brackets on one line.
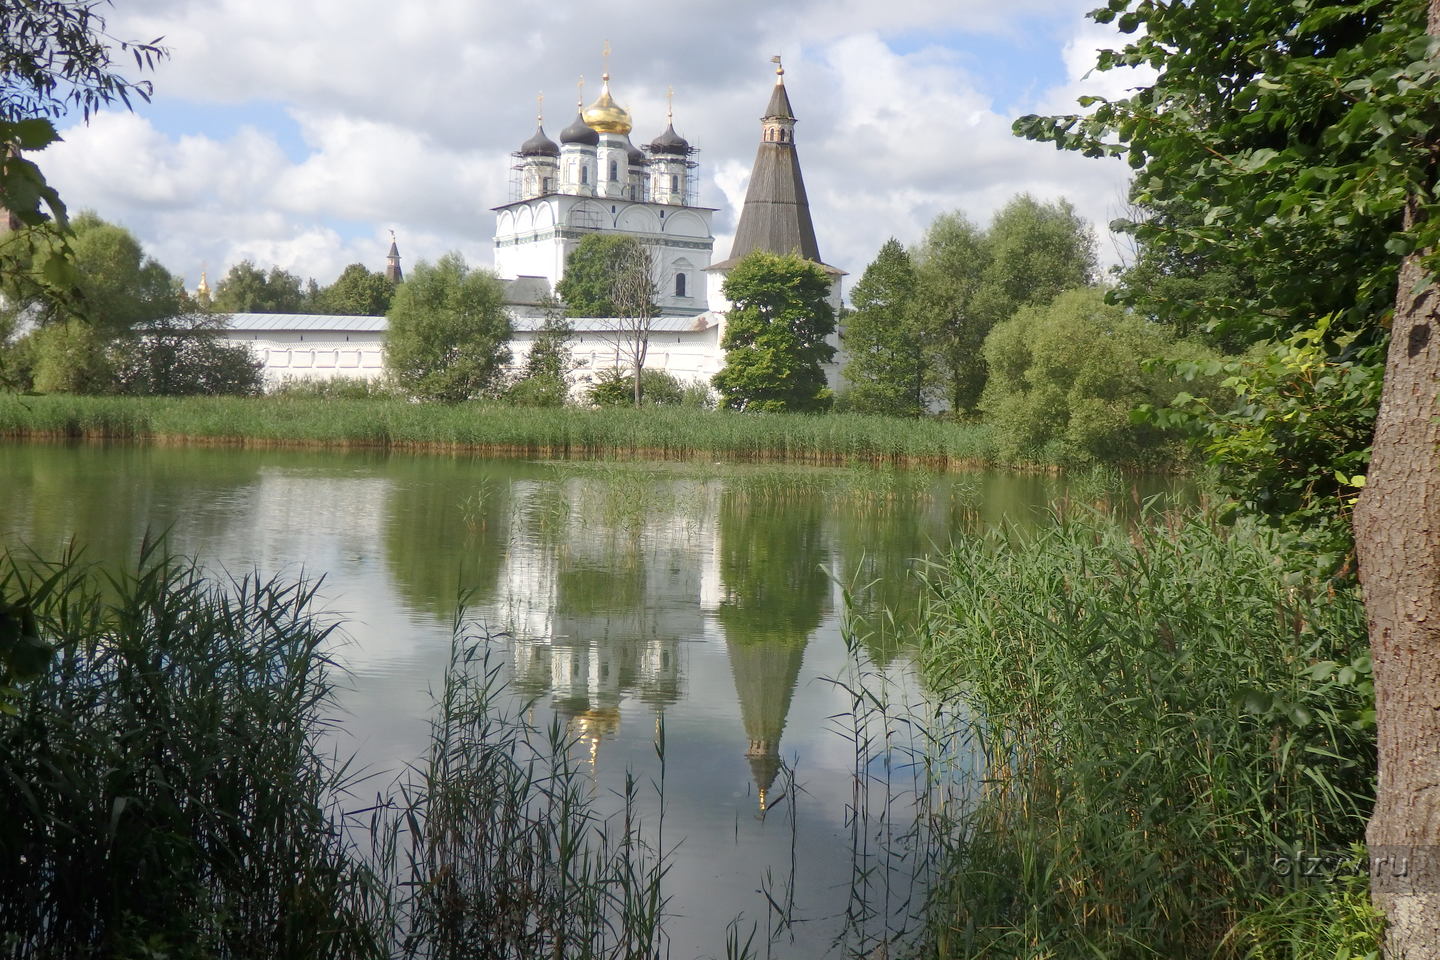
[(302, 322)]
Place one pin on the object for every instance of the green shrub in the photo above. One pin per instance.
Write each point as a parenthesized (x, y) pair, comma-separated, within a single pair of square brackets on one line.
[(615, 387), (540, 390), (1066, 377), (333, 388)]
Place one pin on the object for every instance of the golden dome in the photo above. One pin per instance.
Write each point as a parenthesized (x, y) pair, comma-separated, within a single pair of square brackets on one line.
[(605, 115)]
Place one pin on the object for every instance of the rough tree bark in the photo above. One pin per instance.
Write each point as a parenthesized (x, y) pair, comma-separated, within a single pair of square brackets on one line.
[(1397, 539)]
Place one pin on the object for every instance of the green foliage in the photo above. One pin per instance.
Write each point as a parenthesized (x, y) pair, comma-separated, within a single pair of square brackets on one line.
[(449, 332), (889, 360), (67, 357), (549, 354), (1279, 145), (333, 388), (1065, 378), (539, 390), (357, 292), (248, 289), (775, 334), (614, 387), (56, 58), (183, 356), (1166, 712), (1290, 431), (588, 286), (176, 797), (969, 280)]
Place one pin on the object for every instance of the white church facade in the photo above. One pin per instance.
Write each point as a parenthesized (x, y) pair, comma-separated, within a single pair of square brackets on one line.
[(594, 180)]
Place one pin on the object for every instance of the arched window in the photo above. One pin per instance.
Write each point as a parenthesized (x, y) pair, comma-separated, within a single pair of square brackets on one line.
[(674, 182), (679, 284), (613, 173), (584, 174)]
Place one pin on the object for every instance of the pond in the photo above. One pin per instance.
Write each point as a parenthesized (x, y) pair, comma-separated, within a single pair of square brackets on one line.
[(705, 598)]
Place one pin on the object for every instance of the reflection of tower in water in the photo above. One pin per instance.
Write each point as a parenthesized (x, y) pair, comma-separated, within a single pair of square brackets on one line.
[(771, 597), (765, 673)]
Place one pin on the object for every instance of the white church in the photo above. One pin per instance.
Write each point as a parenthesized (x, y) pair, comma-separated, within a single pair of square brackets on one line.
[(595, 180)]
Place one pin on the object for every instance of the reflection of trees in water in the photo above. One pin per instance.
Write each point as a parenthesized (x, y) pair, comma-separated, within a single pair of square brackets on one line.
[(446, 530), (107, 498), (774, 596)]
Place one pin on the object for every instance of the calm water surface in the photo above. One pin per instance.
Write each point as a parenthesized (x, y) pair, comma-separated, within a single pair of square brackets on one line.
[(706, 597)]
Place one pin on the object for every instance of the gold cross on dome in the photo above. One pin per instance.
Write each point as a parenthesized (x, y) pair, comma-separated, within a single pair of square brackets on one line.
[(580, 91), (540, 107), (670, 104), (606, 55)]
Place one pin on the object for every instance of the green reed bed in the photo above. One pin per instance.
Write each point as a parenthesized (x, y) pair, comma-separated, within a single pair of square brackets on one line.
[(568, 432), (1168, 719), (166, 792)]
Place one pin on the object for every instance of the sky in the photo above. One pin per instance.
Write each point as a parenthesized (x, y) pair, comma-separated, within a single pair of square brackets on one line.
[(299, 133)]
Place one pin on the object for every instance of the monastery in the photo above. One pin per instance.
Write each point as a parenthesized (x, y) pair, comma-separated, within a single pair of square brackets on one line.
[(594, 180)]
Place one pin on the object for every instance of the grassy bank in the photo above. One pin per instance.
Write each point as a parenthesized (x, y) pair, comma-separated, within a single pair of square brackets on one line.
[(677, 433), (1170, 720)]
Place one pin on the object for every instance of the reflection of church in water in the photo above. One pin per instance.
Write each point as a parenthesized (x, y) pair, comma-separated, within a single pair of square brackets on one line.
[(604, 620)]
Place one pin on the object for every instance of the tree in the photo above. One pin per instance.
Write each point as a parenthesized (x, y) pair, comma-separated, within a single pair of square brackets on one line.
[(970, 281), (1065, 377), (449, 336), (183, 356), (889, 365), (545, 380), (119, 290), (1308, 128), (951, 260), (633, 291), (54, 57), (357, 292), (248, 289), (775, 334), (587, 288)]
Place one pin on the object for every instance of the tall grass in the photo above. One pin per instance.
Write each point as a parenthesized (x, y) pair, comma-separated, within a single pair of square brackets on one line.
[(1164, 714), (675, 433), (165, 793), (497, 851)]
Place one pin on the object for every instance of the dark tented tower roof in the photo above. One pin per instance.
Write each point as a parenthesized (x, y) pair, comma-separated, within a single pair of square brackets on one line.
[(776, 215)]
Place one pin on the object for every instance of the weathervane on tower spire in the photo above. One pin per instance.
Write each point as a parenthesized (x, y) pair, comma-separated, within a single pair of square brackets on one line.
[(779, 69)]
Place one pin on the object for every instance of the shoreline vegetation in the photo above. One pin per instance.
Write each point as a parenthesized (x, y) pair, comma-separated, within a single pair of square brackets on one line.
[(389, 424), (495, 429)]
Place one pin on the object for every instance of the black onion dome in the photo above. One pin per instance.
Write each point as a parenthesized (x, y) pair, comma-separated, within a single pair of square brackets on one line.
[(634, 153), (579, 132), (670, 142), (540, 145)]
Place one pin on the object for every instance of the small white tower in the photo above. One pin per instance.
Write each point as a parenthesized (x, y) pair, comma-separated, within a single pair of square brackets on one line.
[(670, 164), (539, 161), (577, 154)]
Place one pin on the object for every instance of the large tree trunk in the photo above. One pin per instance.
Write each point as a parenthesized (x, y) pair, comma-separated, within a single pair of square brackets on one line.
[(1397, 539)]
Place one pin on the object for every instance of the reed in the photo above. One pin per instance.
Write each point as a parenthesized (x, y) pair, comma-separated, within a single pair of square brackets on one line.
[(168, 794), (1164, 714), (655, 432)]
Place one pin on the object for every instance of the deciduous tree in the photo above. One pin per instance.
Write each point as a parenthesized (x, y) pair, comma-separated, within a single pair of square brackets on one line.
[(357, 292), (775, 335), (248, 289), (449, 335), (889, 358)]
